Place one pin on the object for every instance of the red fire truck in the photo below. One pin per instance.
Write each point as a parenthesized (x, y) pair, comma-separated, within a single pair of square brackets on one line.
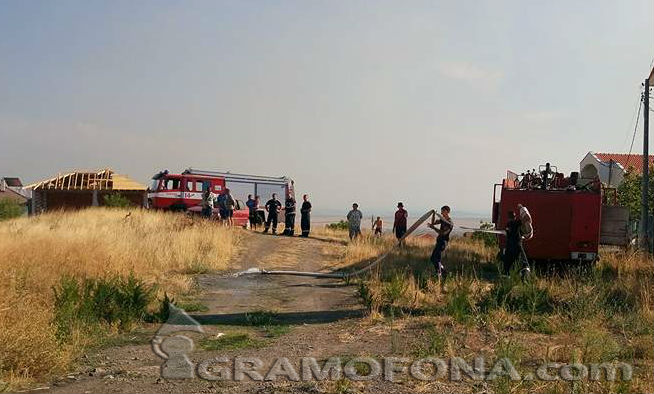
[(571, 216), (183, 191)]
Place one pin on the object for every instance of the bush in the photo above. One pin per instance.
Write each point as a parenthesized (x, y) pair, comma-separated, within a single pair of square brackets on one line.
[(116, 201), (511, 294), (88, 302), (10, 209), (460, 303), (488, 239), (342, 225)]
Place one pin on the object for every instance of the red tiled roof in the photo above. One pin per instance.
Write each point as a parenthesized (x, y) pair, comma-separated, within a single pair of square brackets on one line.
[(633, 160)]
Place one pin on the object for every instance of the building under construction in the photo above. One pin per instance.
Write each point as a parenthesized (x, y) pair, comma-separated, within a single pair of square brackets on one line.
[(81, 189)]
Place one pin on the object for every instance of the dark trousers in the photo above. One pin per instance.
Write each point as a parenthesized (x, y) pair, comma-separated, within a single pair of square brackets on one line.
[(514, 250), (437, 255), (272, 218), (305, 224), (289, 224), (206, 212), (400, 231)]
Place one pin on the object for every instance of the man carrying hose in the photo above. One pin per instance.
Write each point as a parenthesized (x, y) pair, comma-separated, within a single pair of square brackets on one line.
[(441, 241)]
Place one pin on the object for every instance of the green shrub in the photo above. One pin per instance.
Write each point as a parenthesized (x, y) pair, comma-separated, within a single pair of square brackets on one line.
[(162, 314), (513, 295), (487, 238), (93, 301), (342, 225), (10, 209), (460, 303), (116, 200), (261, 318)]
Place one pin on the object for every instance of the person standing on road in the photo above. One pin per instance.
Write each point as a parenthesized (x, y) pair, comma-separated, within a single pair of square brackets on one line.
[(273, 206), (399, 224), (251, 203), (207, 203), (354, 221), (305, 220), (443, 238), (229, 207), (289, 215)]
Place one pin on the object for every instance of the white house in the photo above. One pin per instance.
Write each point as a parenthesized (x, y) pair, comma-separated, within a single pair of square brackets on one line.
[(610, 167)]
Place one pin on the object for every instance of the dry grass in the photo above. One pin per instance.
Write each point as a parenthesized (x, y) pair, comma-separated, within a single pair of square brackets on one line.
[(159, 248), (600, 313)]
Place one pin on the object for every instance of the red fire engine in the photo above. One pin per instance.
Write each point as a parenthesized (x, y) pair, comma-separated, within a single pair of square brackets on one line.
[(571, 216), (184, 191)]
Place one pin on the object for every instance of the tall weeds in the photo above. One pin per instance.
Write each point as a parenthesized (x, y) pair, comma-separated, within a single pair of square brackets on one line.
[(104, 265)]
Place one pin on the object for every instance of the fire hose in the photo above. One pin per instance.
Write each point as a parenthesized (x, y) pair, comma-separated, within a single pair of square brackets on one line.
[(346, 275)]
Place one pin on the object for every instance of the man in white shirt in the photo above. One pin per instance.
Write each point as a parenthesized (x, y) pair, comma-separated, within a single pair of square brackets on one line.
[(354, 220)]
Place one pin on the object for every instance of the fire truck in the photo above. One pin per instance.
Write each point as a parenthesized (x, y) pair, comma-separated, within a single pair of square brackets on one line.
[(571, 216), (183, 192)]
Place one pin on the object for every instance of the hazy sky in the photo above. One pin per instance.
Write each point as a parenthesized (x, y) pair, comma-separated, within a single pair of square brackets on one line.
[(424, 102)]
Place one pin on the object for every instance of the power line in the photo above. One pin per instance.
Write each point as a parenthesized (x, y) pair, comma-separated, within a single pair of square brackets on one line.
[(633, 138)]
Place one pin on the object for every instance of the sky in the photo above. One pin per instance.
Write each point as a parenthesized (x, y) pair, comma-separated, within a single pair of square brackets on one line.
[(425, 102)]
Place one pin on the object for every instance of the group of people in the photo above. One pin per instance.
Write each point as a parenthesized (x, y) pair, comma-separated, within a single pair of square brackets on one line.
[(256, 215), (442, 226), (226, 205), (273, 207), (518, 229)]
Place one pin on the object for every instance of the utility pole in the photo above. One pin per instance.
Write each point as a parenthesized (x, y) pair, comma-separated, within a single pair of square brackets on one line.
[(644, 209)]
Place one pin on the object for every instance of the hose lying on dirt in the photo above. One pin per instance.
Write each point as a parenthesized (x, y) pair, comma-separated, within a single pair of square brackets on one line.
[(344, 275)]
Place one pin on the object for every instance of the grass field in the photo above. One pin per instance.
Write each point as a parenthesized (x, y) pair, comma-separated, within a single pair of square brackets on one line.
[(93, 258), (70, 280), (586, 314)]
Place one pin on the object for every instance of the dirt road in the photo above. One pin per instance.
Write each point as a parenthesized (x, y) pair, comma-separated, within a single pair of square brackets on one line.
[(312, 318)]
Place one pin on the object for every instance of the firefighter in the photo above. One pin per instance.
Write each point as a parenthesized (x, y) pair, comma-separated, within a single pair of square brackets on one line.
[(305, 220), (526, 233), (514, 247), (289, 215), (273, 206), (443, 238)]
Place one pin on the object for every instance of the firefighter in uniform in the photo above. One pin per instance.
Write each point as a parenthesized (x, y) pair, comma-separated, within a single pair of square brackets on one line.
[(305, 220), (273, 206), (289, 216)]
